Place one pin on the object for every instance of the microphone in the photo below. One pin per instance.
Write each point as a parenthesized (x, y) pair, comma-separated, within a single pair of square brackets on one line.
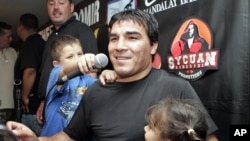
[(71, 69)]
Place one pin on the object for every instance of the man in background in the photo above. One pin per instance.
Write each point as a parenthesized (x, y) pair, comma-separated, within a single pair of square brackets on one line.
[(7, 60), (27, 68)]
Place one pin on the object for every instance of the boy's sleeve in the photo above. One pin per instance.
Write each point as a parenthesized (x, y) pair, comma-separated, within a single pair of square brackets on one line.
[(77, 128), (53, 77)]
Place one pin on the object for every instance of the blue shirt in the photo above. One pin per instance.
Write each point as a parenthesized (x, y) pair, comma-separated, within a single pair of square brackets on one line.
[(61, 104)]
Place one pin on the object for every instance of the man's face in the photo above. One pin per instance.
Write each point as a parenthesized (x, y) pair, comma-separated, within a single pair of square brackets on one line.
[(20, 29), (130, 50), (59, 11), (5, 39)]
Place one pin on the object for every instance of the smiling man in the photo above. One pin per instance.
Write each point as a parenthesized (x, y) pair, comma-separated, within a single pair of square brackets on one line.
[(116, 111)]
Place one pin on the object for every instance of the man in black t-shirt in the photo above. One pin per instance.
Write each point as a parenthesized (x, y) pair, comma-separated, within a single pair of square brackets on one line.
[(27, 69), (116, 111)]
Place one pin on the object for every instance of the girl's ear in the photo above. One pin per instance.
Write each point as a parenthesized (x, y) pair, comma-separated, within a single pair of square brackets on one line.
[(55, 63)]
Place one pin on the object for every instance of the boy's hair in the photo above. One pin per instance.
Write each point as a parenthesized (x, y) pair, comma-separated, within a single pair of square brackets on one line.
[(178, 120), (59, 43), (29, 21), (142, 18)]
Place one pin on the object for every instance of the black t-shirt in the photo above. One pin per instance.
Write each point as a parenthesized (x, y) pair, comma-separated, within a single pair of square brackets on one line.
[(72, 27), (30, 56), (116, 112)]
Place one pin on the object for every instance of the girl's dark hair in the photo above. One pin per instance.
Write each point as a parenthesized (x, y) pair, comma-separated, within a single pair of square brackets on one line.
[(178, 120)]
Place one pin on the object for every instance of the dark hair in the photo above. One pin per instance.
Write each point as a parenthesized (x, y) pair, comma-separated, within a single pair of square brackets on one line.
[(70, 1), (142, 18), (4, 26), (29, 21), (178, 120), (59, 43)]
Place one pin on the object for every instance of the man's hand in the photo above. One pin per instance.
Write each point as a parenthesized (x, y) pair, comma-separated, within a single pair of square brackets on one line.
[(39, 113), (25, 104), (22, 132)]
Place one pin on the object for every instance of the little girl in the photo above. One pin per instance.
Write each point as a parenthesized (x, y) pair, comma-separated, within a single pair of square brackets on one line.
[(175, 120)]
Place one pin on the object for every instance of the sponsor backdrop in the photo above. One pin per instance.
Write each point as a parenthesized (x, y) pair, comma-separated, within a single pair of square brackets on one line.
[(220, 74)]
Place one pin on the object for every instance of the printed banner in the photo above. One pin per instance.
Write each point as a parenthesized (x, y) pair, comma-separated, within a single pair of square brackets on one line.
[(203, 41)]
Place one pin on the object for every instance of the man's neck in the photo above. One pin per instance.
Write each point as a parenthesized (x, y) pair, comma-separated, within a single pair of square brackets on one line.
[(58, 26), (29, 34), (135, 77)]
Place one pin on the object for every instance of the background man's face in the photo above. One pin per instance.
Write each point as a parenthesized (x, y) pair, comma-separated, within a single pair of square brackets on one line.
[(5, 39)]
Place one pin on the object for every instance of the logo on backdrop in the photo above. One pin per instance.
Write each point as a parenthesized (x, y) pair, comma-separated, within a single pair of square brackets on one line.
[(115, 6), (154, 6), (149, 2), (191, 49)]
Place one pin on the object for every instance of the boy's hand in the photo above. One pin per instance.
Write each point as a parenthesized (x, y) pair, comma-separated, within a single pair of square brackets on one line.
[(108, 76), (86, 63)]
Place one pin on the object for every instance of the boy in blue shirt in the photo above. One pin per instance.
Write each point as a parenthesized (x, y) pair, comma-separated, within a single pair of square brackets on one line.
[(63, 99)]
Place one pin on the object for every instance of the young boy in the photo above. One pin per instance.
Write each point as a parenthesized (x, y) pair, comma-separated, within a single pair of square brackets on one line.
[(116, 111), (175, 120), (63, 99)]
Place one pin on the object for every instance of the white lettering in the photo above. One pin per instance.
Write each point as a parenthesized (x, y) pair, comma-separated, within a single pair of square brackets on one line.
[(46, 32), (171, 63), (185, 59), (203, 59), (200, 58), (90, 14), (211, 58), (237, 132), (164, 5), (240, 132), (192, 76)]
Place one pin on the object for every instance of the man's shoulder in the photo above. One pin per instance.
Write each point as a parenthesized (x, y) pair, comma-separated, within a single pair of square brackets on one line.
[(77, 23), (163, 77), (35, 39), (164, 74), (11, 49)]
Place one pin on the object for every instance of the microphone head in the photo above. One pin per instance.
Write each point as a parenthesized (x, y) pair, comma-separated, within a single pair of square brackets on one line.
[(101, 61)]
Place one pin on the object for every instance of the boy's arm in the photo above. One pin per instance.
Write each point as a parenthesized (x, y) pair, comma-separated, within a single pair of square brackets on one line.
[(108, 76), (93, 75)]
